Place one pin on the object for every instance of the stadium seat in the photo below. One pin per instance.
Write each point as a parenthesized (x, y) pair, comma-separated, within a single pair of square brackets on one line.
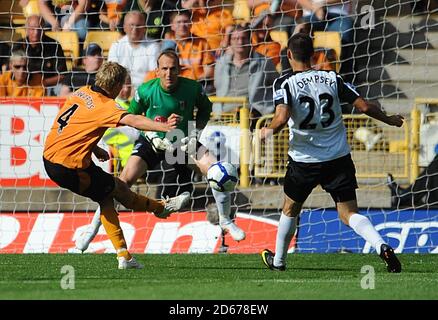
[(103, 38), (11, 13), (281, 37), (328, 39), (70, 44), (241, 11), (19, 33)]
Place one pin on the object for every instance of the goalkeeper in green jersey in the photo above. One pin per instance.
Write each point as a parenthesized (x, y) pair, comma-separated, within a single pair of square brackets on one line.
[(157, 99)]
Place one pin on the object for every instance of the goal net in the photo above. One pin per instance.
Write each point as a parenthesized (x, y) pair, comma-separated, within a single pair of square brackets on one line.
[(385, 49)]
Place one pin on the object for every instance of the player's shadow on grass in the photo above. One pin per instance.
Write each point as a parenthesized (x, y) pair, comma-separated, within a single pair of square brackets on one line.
[(318, 269), (291, 268), (219, 268)]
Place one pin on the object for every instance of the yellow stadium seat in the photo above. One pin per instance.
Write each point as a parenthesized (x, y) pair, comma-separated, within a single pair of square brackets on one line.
[(70, 45), (241, 11), (19, 33), (329, 39), (281, 37), (103, 38), (11, 13)]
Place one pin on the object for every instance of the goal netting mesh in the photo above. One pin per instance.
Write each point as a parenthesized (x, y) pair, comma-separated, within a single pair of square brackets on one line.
[(386, 49)]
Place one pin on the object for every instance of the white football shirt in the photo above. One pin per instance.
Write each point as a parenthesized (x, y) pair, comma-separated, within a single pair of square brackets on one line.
[(316, 128)]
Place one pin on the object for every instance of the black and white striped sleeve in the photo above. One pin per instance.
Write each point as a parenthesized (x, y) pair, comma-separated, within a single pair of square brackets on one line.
[(346, 91), (281, 94)]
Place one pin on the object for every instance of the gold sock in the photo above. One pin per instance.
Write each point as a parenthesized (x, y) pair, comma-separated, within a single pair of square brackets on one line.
[(112, 227), (142, 203), (124, 253)]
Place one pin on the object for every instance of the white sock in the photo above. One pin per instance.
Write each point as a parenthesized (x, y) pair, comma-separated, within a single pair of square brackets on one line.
[(223, 201), (85, 239), (285, 232), (363, 227), (96, 218)]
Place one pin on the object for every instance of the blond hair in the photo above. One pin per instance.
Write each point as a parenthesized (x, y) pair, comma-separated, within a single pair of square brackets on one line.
[(110, 75)]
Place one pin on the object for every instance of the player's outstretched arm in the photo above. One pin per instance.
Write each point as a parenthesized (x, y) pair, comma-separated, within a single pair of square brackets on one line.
[(146, 124), (281, 116), (374, 111)]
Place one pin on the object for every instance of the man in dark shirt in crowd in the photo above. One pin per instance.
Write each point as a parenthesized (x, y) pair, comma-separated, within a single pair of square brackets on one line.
[(45, 55), (79, 77), (5, 53)]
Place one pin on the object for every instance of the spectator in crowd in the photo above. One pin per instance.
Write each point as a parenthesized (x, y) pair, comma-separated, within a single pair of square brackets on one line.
[(330, 15), (134, 51), (333, 15), (18, 82), (5, 52), (65, 15), (79, 77), (210, 21), (156, 14), (284, 16), (110, 14), (196, 58), (423, 192), (261, 39), (324, 59), (45, 55), (244, 72)]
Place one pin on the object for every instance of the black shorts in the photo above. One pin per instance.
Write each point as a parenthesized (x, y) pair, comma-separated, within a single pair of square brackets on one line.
[(91, 182), (337, 177), (144, 149)]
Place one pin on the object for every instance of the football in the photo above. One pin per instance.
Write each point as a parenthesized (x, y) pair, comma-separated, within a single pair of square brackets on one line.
[(222, 176)]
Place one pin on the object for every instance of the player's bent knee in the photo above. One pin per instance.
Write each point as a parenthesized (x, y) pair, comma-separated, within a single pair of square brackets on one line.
[(292, 208), (123, 193), (121, 188), (129, 179), (345, 217)]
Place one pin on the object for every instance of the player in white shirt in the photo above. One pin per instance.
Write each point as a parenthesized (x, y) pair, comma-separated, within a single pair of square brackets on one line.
[(309, 101), (134, 51)]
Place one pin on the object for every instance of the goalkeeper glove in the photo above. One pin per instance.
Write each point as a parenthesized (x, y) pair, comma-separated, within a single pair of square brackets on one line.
[(188, 144), (159, 144)]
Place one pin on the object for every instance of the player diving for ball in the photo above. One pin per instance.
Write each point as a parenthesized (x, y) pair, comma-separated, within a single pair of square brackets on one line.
[(157, 99)]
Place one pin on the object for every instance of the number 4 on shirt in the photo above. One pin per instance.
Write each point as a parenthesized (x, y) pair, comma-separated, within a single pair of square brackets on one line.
[(65, 117)]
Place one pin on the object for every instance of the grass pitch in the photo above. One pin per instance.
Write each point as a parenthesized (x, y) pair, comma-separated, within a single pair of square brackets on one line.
[(218, 276)]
